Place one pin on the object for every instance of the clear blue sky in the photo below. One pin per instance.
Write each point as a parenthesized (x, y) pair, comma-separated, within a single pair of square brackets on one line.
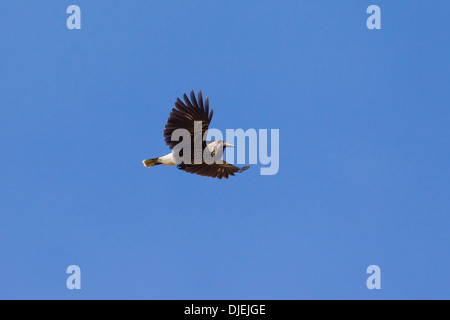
[(364, 153)]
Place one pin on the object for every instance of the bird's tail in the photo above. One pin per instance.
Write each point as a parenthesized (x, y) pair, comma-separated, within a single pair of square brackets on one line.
[(151, 162)]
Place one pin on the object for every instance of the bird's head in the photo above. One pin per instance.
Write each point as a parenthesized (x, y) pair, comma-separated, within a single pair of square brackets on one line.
[(218, 146)]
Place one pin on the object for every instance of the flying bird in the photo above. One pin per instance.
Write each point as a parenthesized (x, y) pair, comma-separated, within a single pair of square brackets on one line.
[(184, 116)]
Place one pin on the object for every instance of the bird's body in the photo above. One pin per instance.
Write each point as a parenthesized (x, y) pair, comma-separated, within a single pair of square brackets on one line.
[(186, 116)]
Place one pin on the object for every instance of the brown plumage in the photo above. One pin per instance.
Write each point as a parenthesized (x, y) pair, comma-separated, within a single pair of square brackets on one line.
[(184, 116)]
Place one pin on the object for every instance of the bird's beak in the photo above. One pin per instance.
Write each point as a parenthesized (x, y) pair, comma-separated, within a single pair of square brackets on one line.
[(228, 145)]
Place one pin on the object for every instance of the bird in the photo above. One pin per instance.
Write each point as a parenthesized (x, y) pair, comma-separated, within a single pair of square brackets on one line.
[(186, 115)]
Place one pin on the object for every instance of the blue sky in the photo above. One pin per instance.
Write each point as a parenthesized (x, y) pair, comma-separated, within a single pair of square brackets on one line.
[(364, 158)]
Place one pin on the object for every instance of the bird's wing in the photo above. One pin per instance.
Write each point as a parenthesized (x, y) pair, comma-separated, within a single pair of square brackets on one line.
[(214, 170), (184, 116)]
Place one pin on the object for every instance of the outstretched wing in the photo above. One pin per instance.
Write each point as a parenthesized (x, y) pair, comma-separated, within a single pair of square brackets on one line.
[(214, 170), (184, 116)]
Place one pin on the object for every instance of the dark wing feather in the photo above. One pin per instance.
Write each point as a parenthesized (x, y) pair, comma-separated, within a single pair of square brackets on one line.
[(214, 170), (185, 114)]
